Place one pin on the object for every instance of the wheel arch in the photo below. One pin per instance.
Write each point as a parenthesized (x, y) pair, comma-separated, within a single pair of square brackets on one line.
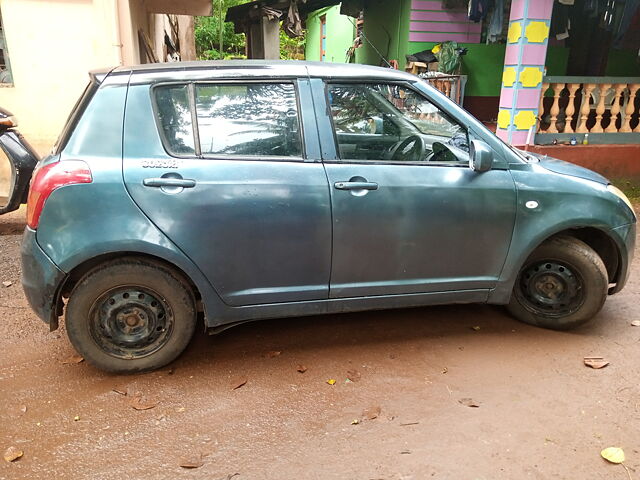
[(596, 238), (80, 270)]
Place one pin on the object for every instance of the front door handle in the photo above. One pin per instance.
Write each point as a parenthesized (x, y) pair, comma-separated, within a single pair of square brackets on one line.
[(169, 182), (356, 185)]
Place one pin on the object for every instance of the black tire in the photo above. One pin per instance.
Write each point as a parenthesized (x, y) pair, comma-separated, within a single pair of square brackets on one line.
[(131, 315), (562, 285)]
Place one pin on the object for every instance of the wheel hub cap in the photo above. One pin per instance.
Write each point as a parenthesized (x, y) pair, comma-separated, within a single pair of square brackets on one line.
[(551, 287), (130, 322)]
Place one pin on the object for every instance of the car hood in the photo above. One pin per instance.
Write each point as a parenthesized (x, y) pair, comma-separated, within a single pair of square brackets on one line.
[(565, 168)]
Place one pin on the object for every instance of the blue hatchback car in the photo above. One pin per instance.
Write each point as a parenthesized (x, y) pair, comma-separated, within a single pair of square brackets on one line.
[(234, 191)]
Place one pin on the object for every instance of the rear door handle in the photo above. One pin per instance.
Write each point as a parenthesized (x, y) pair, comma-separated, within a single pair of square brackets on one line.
[(169, 182), (356, 185)]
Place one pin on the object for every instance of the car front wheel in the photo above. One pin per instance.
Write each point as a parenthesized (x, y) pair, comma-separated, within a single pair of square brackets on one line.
[(131, 315), (562, 285)]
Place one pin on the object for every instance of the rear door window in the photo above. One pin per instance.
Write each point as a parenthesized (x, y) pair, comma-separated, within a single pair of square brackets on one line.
[(252, 119)]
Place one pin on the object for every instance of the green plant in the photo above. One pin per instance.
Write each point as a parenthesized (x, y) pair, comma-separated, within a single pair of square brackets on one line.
[(207, 35), (292, 48)]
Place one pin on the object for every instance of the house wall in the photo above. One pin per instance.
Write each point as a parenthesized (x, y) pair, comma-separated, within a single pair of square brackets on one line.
[(54, 44), (340, 35), (429, 22), (386, 27), (49, 64)]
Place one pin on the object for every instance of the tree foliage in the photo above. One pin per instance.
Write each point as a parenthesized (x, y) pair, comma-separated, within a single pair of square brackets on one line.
[(207, 34)]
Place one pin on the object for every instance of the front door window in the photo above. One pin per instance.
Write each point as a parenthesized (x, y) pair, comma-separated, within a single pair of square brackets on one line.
[(393, 123)]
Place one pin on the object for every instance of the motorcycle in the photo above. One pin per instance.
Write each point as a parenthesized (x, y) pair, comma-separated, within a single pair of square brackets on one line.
[(17, 161)]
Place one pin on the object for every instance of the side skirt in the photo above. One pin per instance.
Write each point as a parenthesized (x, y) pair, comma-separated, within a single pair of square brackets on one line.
[(238, 315)]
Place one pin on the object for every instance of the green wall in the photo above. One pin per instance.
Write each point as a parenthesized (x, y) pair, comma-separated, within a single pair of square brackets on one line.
[(340, 35), (484, 64), (623, 63), (386, 28)]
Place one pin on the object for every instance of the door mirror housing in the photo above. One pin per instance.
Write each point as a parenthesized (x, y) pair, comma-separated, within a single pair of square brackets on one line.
[(480, 156)]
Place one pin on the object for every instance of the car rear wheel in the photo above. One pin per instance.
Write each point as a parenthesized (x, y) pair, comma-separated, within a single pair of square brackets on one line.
[(562, 285), (131, 315)]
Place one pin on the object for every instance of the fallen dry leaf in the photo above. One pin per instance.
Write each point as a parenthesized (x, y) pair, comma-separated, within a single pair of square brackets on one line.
[(138, 402), (613, 454), (476, 328), (353, 375), (372, 413), (73, 360), (595, 362), (331, 381), (195, 461), (469, 402), (7, 284), (18, 411), (12, 454), (301, 369), (239, 382), (635, 323), (273, 354)]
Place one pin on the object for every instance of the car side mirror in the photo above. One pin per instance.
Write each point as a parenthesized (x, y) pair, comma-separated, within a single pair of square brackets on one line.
[(480, 156)]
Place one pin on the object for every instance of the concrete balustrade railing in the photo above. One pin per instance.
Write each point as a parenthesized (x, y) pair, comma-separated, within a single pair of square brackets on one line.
[(606, 108)]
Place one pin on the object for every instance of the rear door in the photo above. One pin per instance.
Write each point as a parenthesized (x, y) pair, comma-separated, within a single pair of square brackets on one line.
[(222, 169)]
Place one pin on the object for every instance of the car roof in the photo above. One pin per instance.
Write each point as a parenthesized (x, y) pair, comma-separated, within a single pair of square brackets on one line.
[(178, 71)]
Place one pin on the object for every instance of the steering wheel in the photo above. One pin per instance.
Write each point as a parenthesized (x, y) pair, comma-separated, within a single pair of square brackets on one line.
[(440, 153), (400, 151)]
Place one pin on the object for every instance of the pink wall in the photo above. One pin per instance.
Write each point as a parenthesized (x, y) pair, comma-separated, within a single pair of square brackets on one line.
[(430, 23)]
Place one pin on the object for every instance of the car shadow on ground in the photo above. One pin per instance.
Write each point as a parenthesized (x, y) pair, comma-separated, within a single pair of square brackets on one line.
[(368, 333)]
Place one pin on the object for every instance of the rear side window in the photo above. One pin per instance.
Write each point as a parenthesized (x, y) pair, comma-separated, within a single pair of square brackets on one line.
[(252, 119), (174, 113)]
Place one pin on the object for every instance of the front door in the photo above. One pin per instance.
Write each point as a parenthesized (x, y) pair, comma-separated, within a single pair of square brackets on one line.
[(409, 215), (238, 194)]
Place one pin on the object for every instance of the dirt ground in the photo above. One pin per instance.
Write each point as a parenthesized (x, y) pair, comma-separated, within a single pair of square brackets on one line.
[(542, 414)]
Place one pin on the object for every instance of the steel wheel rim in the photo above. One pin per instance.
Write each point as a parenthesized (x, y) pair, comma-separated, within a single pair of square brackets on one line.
[(551, 287), (130, 322)]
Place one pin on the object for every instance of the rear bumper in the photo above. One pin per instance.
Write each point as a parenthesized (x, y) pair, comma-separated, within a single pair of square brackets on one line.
[(625, 237), (41, 279)]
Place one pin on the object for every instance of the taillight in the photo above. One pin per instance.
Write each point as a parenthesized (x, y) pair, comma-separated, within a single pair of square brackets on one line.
[(49, 177)]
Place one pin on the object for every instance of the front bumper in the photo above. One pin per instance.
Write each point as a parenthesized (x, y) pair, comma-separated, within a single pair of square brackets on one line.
[(625, 237), (41, 279)]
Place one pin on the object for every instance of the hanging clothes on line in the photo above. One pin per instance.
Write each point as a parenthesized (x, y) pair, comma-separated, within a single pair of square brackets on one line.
[(455, 4), (494, 31), (631, 8), (478, 9)]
